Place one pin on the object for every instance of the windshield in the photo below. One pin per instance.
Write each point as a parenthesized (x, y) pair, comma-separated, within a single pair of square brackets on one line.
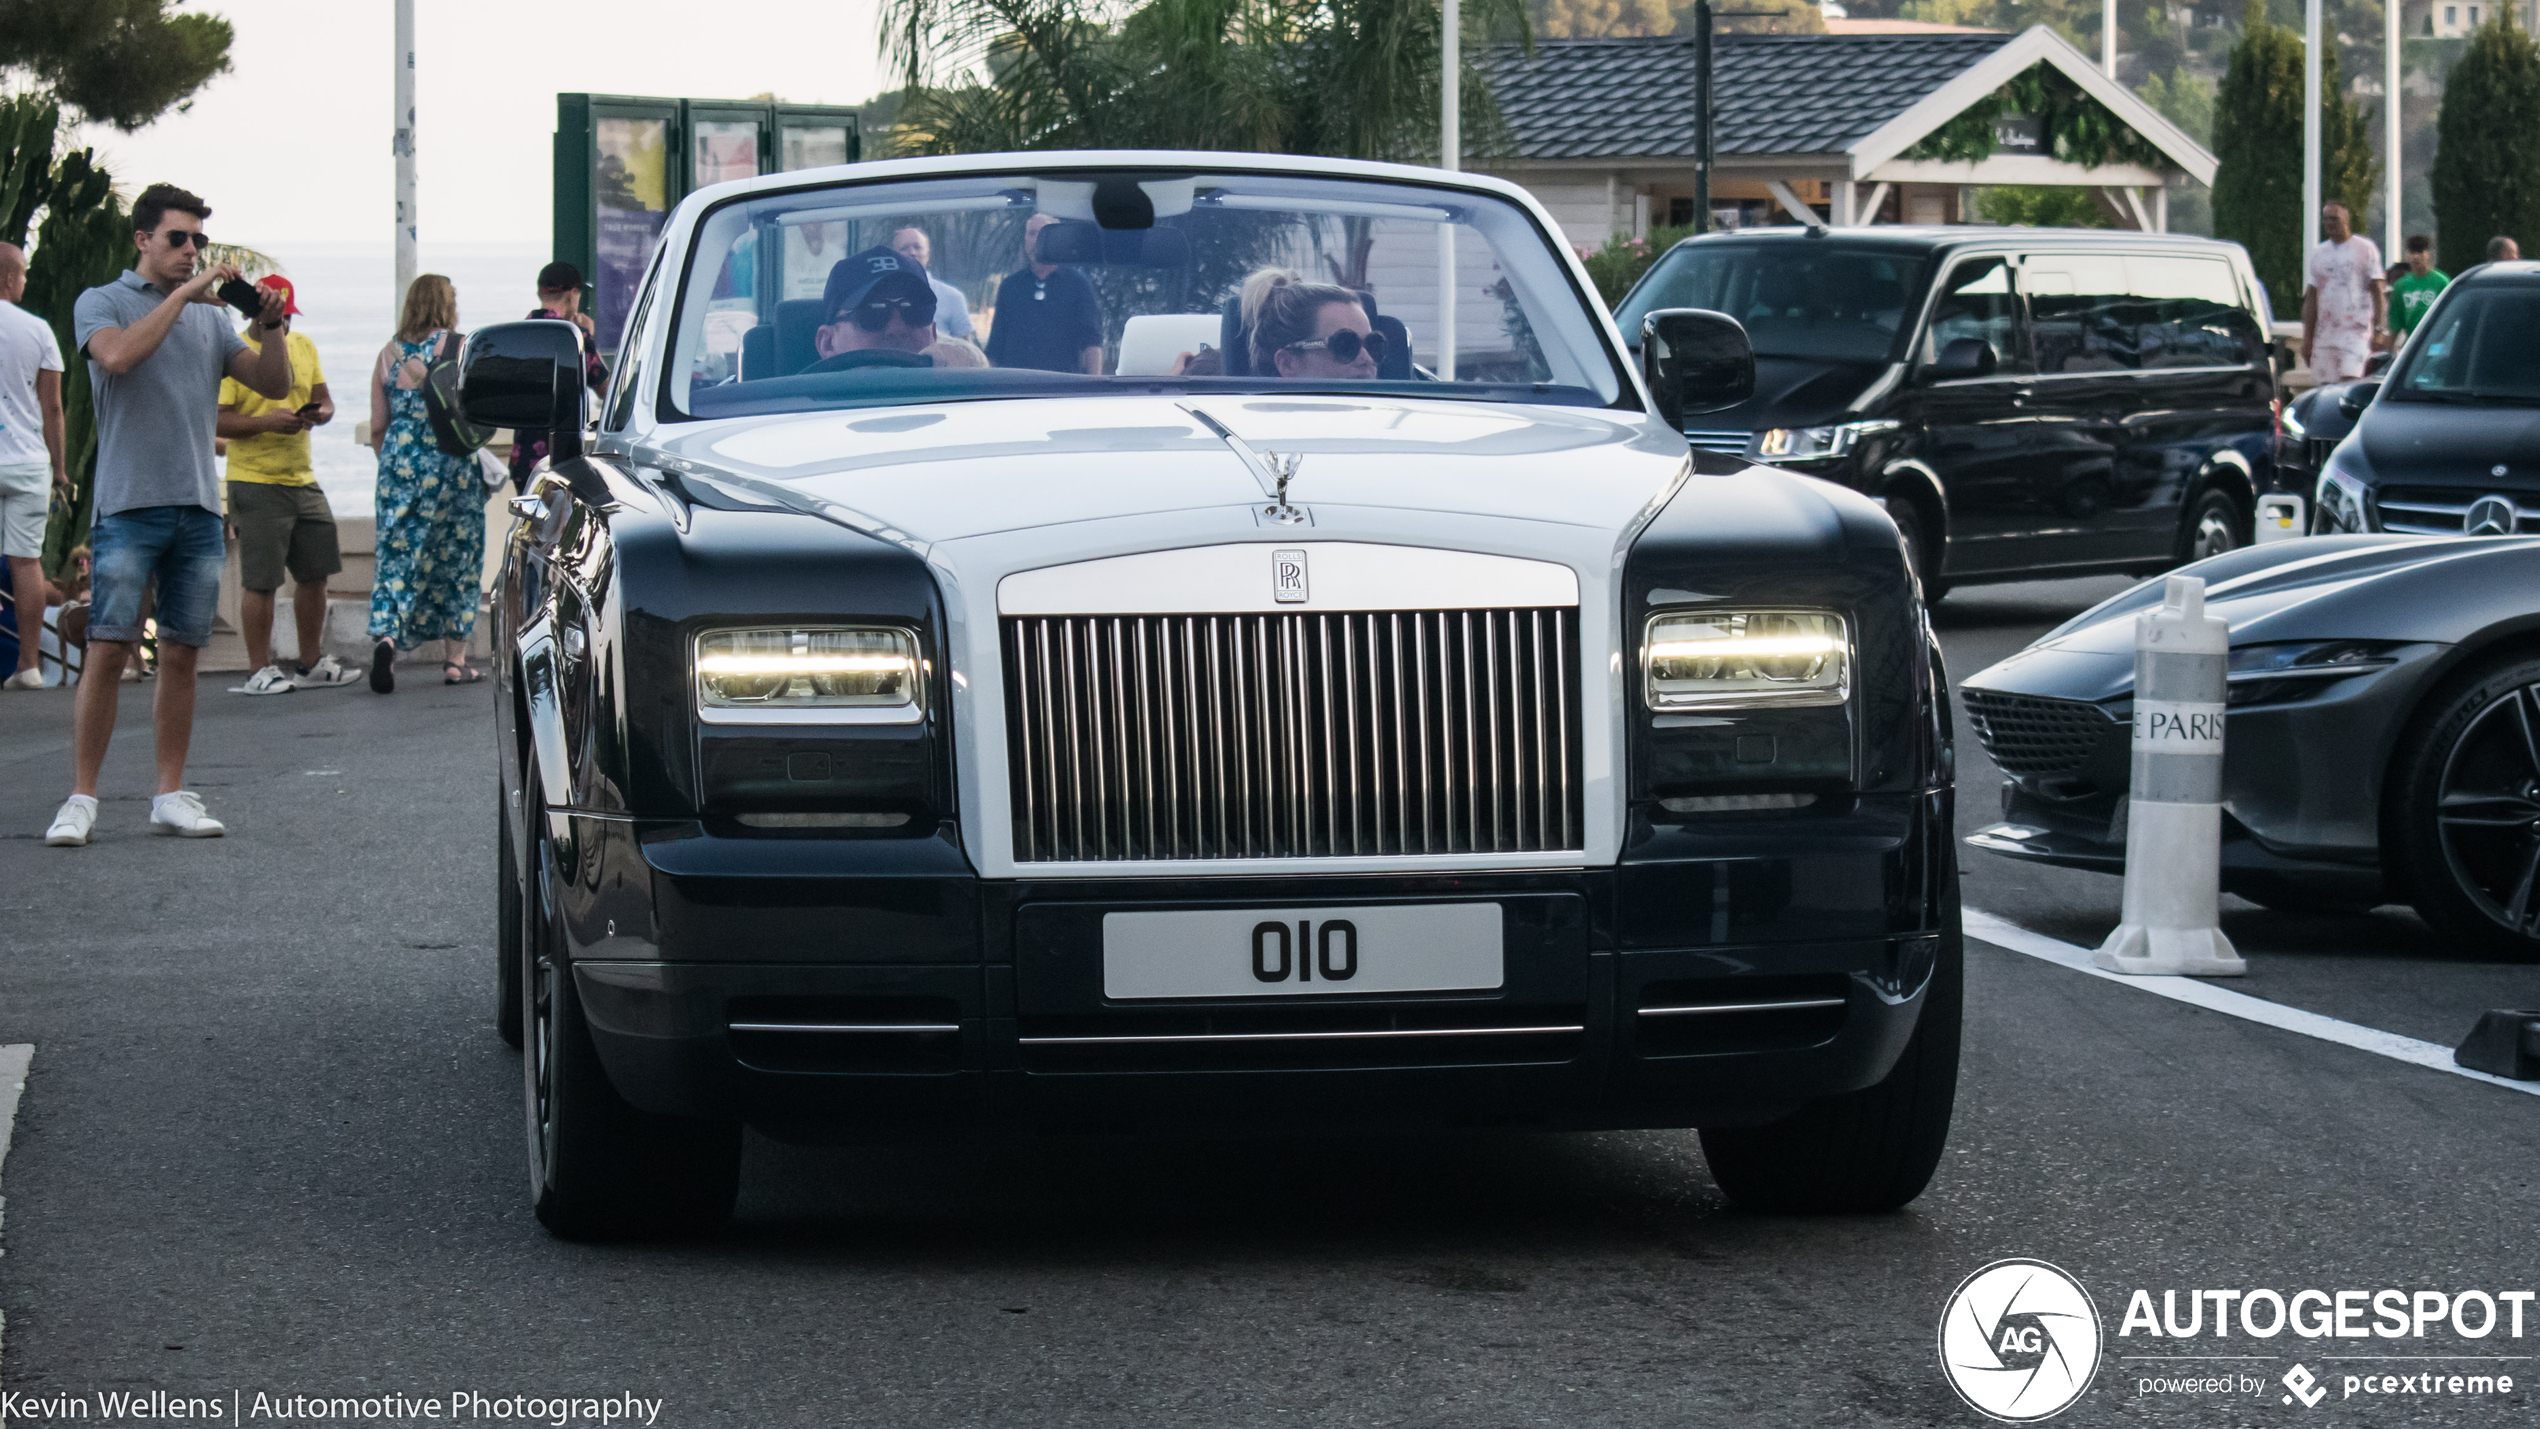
[(1807, 298), (994, 285), (2476, 348)]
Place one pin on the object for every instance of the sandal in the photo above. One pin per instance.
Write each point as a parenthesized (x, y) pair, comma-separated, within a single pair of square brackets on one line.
[(454, 673)]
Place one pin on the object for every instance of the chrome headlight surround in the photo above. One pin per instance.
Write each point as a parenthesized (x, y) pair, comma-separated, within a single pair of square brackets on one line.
[(805, 673), (1730, 658), (1781, 444)]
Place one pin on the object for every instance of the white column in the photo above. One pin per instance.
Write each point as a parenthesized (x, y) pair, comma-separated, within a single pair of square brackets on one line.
[(2108, 37), (403, 146), (1846, 194), (2161, 208), (2390, 43), (2311, 40), (1450, 158)]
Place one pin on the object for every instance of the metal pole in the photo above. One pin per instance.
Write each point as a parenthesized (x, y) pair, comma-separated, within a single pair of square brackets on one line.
[(1450, 158), (2310, 131), (404, 148), (2108, 37), (1702, 116), (2391, 221)]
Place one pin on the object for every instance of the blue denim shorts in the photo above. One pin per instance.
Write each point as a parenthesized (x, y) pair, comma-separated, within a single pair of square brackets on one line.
[(181, 547)]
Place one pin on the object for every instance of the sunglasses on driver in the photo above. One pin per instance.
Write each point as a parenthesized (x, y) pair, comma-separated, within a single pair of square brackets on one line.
[(1344, 345), (876, 315)]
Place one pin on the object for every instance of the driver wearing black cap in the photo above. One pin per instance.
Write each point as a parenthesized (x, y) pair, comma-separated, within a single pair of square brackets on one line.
[(881, 313)]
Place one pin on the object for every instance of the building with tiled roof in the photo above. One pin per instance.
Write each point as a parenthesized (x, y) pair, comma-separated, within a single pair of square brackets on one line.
[(1807, 128)]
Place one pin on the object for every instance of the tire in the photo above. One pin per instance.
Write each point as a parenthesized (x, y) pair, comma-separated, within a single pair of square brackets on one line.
[(507, 930), (600, 1169), (1907, 513), (2462, 824), (2214, 524), (1870, 1150)]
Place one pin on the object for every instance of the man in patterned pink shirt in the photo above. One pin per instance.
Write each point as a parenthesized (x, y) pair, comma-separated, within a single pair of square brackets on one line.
[(2344, 295)]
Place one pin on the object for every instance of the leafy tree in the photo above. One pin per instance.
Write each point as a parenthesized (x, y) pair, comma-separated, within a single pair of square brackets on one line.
[(1619, 264), (2041, 206), (1596, 19), (2486, 168), (2258, 141), (121, 62), (1780, 17), (2186, 99), (84, 240)]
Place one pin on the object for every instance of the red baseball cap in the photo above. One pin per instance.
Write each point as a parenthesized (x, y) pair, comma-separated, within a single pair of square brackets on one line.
[(283, 285)]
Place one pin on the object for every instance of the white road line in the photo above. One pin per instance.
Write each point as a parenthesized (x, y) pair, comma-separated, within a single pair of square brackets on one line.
[(1985, 927), (13, 1065)]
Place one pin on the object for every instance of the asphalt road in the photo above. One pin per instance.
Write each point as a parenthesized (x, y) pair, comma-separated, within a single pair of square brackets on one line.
[(270, 1143)]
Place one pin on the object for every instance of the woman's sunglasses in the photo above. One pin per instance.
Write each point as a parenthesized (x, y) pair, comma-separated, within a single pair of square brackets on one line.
[(876, 315), (178, 238), (1344, 345)]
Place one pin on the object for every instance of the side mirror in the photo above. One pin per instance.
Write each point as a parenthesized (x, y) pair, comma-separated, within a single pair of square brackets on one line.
[(526, 374), (1962, 357), (2357, 398), (1694, 361)]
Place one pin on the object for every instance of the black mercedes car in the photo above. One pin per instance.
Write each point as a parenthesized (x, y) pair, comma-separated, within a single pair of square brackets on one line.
[(898, 737), (2447, 441), (2382, 742)]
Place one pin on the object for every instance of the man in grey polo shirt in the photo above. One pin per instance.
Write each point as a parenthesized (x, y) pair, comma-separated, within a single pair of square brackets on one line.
[(157, 347)]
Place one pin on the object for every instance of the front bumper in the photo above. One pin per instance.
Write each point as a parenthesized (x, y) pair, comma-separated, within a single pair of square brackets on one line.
[(1803, 944)]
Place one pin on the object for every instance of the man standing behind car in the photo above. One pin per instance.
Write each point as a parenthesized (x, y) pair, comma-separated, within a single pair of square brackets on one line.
[(2418, 285), (1047, 315), (157, 349), (2342, 299), (282, 519), (30, 456)]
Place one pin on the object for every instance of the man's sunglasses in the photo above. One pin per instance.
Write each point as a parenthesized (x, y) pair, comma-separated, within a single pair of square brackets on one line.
[(1344, 345), (876, 315), (178, 238)]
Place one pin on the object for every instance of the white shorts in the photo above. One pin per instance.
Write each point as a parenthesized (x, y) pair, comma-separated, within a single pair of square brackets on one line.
[(26, 496), (2337, 364)]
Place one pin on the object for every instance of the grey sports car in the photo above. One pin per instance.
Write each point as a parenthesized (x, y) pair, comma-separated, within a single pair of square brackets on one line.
[(2383, 742)]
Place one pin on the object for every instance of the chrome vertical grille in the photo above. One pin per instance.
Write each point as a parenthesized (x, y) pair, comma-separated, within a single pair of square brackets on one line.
[(1301, 735)]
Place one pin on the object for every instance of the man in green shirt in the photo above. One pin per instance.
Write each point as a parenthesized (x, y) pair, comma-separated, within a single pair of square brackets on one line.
[(2412, 297)]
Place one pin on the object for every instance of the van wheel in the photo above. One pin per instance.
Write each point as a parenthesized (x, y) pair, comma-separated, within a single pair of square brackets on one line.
[(2463, 826), (507, 929), (1870, 1150), (2214, 525), (1907, 513), (600, 1169)]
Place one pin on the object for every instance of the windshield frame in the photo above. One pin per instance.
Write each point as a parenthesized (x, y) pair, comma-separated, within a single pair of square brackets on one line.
[(1919, 259), (665, 409), (2394, 382)]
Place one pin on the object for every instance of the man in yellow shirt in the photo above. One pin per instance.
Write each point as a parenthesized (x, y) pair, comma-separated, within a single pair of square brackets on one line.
[(281, 518)]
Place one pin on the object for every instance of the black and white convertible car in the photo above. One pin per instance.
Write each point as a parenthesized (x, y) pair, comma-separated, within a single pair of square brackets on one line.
[(1291, 670)]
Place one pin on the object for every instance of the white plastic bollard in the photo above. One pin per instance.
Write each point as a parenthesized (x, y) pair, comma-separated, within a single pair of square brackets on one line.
[(2279, 518), (2173, 852)]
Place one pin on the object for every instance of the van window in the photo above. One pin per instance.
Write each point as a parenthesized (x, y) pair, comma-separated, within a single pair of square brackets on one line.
[(2083, 315), (1811, 298), (2194, 316), (1976, 301)]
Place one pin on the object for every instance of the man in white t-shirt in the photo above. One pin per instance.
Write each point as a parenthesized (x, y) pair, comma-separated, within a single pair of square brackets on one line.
[(2344, 297), (30, 456)]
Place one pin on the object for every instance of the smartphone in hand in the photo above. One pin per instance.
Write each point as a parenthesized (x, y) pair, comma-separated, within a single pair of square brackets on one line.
[(308, 413), (243, 295)]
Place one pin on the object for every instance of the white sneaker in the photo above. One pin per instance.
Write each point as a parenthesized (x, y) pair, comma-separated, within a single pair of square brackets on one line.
[(326, 674), (181, 814), (268, 681), (24, 680), (70, 827)]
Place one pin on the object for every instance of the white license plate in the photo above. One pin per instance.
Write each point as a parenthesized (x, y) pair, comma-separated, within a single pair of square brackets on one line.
[(1273, 952)]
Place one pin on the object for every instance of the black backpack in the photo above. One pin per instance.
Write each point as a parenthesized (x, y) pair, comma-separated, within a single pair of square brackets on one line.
[(451, 430)]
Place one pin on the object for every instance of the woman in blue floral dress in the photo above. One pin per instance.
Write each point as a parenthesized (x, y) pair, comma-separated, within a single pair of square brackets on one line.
[(431, 514)]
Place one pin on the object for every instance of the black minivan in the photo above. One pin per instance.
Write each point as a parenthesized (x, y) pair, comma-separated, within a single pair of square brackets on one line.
[(2025, 401)]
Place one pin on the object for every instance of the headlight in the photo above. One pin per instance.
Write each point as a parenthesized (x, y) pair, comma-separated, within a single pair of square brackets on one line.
[(2264, 673), (808, 675), (1741, 659), (2293, 424), (2339, 502), (1816, 443)]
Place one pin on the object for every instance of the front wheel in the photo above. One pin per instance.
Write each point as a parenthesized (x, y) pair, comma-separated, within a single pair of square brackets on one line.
[(2463, 826), (1870, 1150), (600, 1169), (2214, 525)]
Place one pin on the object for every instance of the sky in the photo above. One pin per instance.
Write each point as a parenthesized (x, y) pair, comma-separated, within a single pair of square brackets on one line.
[(291, 147)]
